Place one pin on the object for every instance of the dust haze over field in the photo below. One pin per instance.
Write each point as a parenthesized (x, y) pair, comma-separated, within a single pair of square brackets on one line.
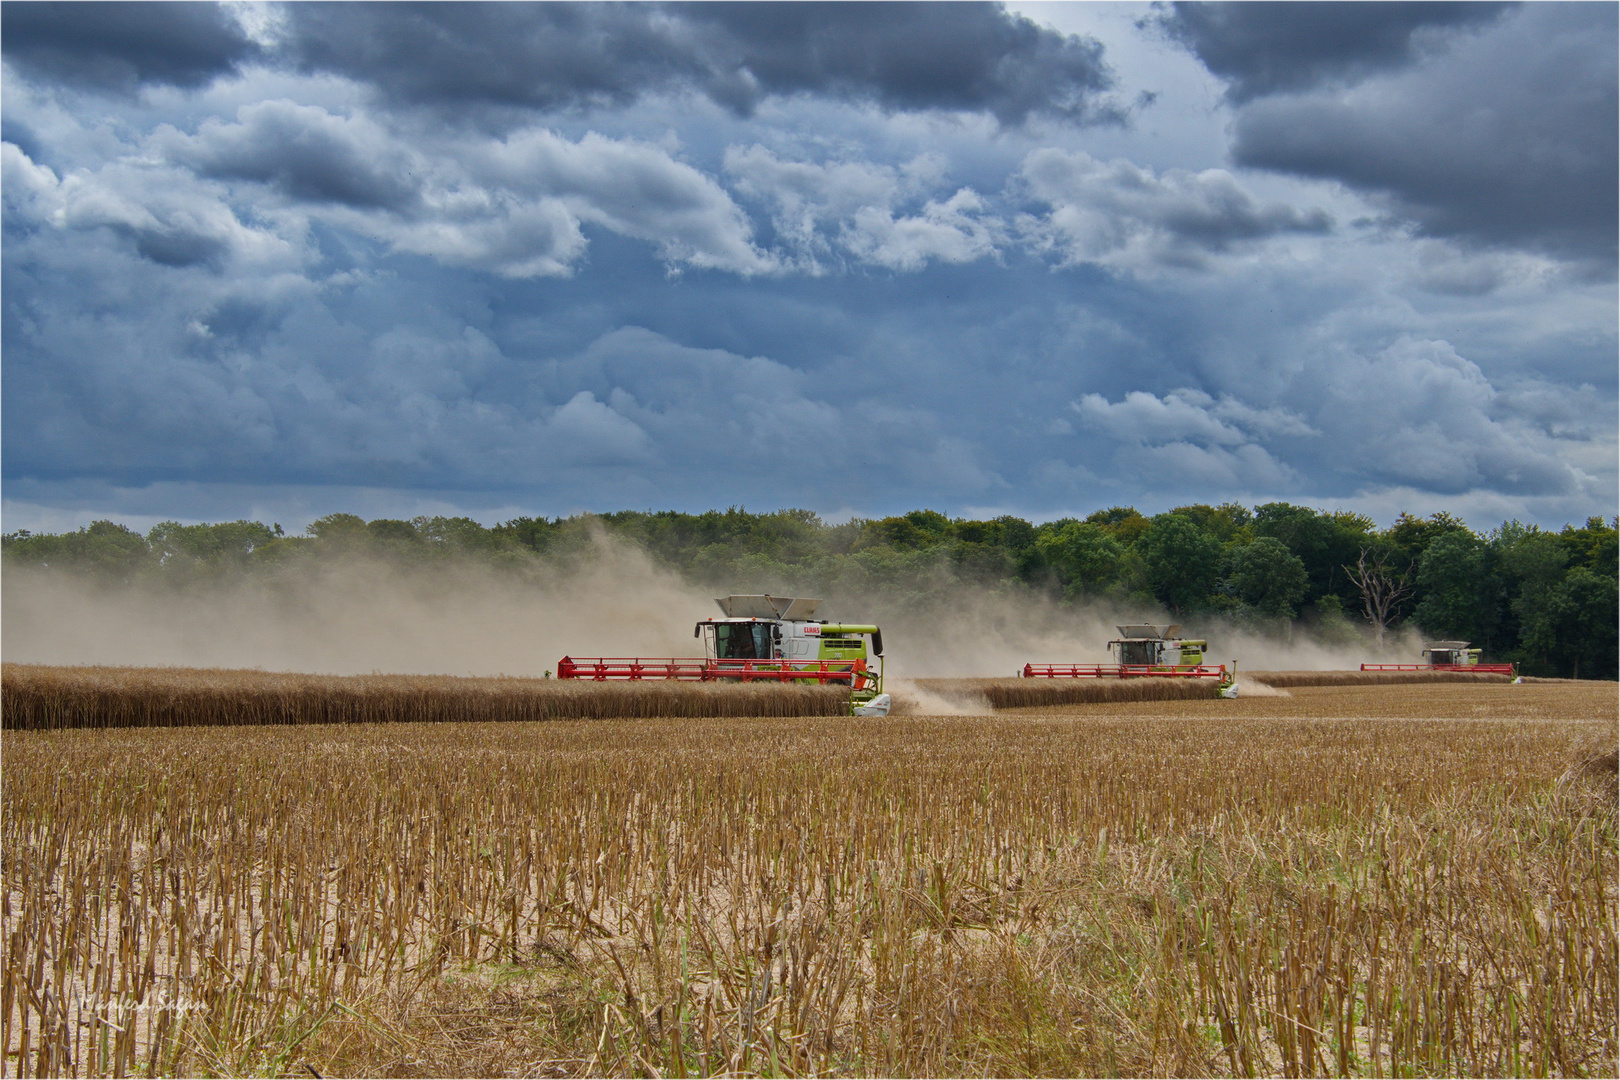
[(368, 614)]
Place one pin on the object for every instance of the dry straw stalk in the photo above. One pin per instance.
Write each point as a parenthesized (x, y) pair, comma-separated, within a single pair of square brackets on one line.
[(1030, 693), (1190, 893)]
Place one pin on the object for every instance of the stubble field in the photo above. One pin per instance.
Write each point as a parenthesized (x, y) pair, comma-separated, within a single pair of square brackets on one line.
[(1356, 879)]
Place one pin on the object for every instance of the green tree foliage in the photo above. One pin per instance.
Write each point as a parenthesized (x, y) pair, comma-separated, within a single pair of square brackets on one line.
[(1329, 624), (1270, 578), (1324, 544), (1565, 617), (1593, 546), (1411, 536), (1228, 522), (1455, 576), (338, 528), (1123, 522), (231, 541), (1181, 562), (1085, 556), (1583, 635), (918, 529), (103, 549), (1545, 599)]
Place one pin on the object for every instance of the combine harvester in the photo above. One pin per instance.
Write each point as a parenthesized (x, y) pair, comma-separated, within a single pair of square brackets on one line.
[(1449, 656), (764, 639), (1145, 651)]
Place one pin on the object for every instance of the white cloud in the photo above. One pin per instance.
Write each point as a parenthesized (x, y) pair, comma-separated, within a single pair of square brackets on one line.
[(32, 192), (1418, 413), (1189, 439), (856, 210), (807, 197), (167, 214), (1560, 410), (512, 238), (588, 432), (1185, 414), (953, 231), (1263, 422), (633, 188), (513, 206), (709, 409), (1119, 213), (1185, 466)]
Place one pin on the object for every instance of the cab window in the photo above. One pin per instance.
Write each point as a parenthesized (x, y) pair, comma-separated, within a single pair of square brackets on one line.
[(1138, 652), (742, 641)]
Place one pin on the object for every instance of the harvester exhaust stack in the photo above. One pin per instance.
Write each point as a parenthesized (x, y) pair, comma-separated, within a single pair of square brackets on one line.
[(760, 606)]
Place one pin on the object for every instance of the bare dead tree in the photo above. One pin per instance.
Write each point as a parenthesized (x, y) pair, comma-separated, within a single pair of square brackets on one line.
[(1381, 589)]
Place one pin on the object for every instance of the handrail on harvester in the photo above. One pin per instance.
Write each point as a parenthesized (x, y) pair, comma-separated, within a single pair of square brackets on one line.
[(1478, 669), (701, 669), (1123, 671)]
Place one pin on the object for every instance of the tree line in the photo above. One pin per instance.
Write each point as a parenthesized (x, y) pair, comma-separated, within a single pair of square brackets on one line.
[(1545, 599)]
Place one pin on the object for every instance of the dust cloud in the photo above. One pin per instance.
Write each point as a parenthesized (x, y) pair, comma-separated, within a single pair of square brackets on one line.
[(912, 700), (975, 632), (362, 616), (366, 615)]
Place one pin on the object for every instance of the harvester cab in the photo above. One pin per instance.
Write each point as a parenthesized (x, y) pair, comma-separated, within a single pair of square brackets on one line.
[(1155, 646), (1451, 654), (780, 628)]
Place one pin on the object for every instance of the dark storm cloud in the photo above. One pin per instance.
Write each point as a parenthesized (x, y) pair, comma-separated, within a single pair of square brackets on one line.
[(119, 46), (1488, 123), (1509, 139), (900, 56), (401, 380), (305, 151), (905, 56), (1267, 48)]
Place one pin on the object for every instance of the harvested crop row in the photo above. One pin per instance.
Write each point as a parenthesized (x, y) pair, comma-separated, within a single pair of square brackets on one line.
[(38, 697), (1284, 679), (1032, 693)]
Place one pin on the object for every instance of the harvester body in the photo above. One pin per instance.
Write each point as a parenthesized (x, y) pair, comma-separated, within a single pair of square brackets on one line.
[(1449, 656), (1140, 644), (779, 628), (787, 632), (765, 638), (1143, 650)]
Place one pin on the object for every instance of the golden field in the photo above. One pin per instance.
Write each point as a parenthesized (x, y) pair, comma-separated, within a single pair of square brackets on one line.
[(1352, 879)]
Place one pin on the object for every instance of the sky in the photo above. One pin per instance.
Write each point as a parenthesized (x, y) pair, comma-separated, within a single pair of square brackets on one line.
[(277, 261)]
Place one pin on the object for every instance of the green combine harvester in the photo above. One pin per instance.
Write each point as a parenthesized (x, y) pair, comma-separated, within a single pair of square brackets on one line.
[(1142, 651), (764, 638)]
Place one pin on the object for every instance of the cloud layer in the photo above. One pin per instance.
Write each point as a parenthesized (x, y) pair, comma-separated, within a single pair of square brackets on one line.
[(1476, 121), (854, 257)]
